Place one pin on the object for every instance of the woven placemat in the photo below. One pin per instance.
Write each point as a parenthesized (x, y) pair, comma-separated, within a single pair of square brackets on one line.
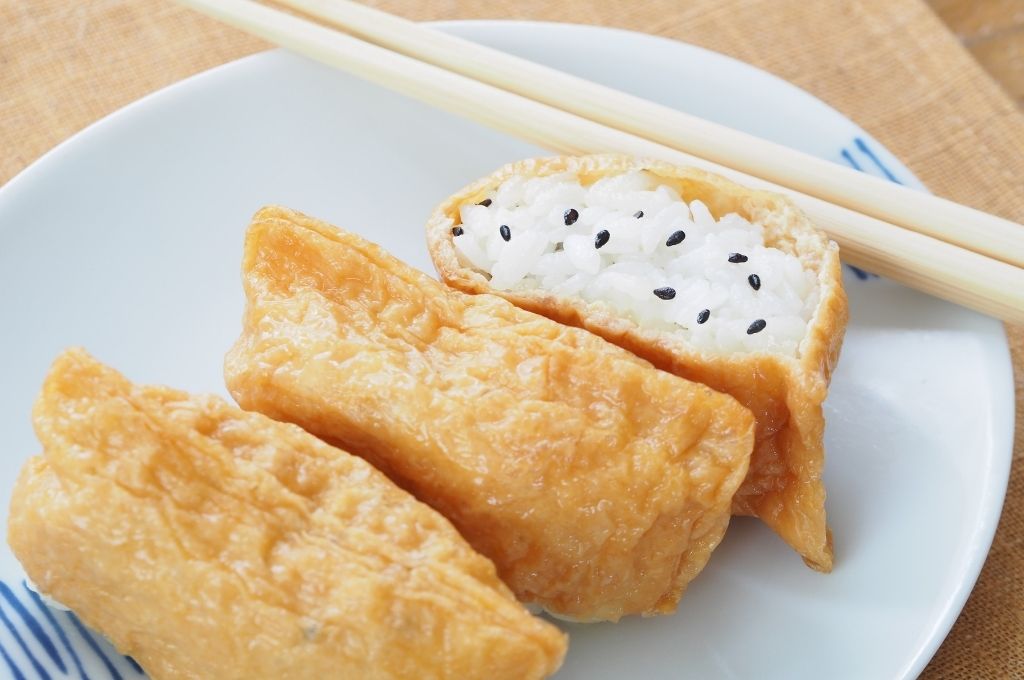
[(888, 64)]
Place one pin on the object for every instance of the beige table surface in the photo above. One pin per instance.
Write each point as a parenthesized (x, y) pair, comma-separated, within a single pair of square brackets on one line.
[(891, 65)]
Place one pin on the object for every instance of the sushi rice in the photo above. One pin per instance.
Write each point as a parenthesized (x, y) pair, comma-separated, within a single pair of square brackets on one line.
[(634, 244)]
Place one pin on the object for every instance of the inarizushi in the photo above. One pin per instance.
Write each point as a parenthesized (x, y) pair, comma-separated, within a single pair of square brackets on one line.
[(209, 542), (596, 483), (717, 283)]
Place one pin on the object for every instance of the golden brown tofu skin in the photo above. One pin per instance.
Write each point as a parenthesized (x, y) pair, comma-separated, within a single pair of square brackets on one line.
[(784, 486), (212, 543), (597, 484)]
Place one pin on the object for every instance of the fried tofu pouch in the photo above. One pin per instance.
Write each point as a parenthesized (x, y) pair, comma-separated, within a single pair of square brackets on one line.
[(212, 543), (597, 484), (784, 486)]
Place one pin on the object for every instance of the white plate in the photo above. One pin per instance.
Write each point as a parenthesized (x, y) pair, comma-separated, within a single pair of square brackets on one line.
[(127, 238)]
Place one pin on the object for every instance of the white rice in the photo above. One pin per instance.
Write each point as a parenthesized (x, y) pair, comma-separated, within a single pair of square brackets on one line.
[(544, 252)]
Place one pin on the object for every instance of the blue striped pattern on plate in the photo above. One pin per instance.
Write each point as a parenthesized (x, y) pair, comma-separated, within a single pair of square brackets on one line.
[(38, 641), (872, 166)]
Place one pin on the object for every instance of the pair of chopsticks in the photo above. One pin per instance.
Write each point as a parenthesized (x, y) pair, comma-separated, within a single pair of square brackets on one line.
[(934, 245)]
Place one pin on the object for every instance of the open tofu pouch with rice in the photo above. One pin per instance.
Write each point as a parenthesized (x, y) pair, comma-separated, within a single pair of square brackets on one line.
[(714, 282)]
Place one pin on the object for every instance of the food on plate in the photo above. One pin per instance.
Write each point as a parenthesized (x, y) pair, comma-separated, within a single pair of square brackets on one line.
[(719, 284), (597, 484), (208, 542)]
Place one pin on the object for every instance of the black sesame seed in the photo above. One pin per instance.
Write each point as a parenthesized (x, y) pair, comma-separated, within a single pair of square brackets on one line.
[(456, 231), (638, 214), (756, 327), (601, 238), (736, 258), (485, 203), (570, 216), (665, 293), (676, 238), (505, 232), (755, 281), (704, 316)]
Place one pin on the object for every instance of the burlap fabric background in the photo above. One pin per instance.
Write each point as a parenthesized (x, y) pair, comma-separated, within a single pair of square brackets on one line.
[(889, 64)]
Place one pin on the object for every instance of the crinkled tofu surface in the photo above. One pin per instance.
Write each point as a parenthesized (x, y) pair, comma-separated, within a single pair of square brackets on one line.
[(597, 484), (213, 543)]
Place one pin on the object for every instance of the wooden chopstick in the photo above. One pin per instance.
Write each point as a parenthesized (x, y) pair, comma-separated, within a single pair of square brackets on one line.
[(919, 261), (908, 208)]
